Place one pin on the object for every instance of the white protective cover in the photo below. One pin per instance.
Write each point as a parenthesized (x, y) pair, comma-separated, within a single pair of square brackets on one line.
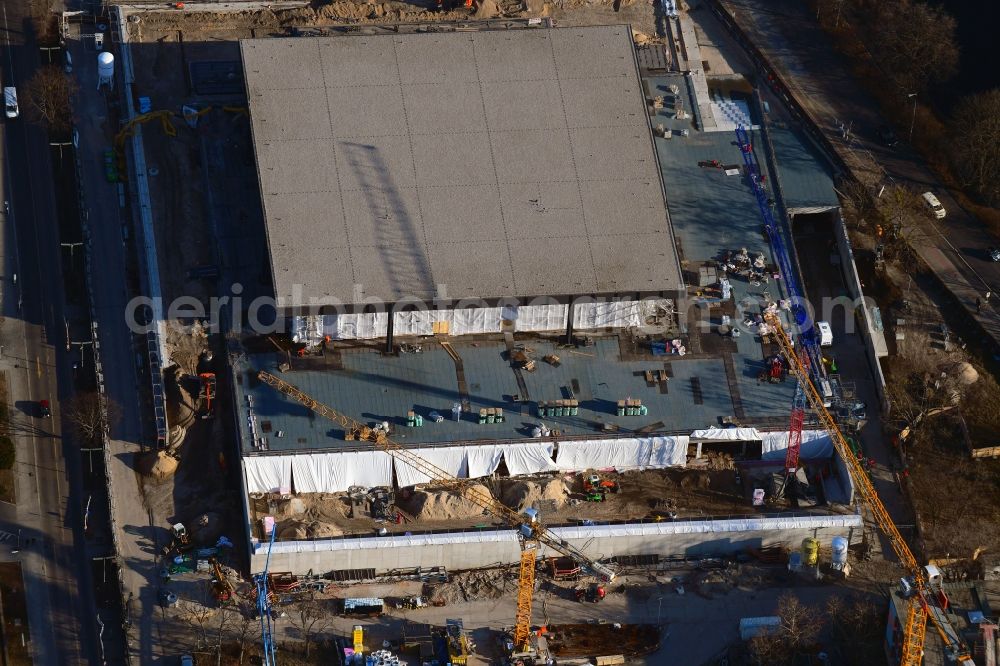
[(268, 474), (528, 458), (336, 472), (622, 454), (669, 451), (815, 444), (727, 435), (450, 459), (483, 460), (615, 314)]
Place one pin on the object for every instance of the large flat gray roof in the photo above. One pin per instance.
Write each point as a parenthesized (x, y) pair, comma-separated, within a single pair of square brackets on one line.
[(500, 164)]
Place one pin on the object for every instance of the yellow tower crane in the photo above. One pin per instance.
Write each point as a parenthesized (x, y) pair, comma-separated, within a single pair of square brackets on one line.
[(923, 602), (531, 532)]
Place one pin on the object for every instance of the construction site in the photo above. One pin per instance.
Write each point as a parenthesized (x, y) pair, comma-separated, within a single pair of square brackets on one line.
[(533, 306)]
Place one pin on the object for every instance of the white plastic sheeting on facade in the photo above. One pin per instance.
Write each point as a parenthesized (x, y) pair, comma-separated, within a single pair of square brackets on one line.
[(727, 435), (336, 472), (615, 314), (268, 474), (467, 321), (815, 444), (622, 454), (451, 460), (669, 451), (483, 460), (528, 458)]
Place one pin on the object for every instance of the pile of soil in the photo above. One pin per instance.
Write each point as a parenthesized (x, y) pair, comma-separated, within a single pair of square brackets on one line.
[(442, 505), (160, 466), (300, 529), (521, 495), (698, 480), (472, 585)]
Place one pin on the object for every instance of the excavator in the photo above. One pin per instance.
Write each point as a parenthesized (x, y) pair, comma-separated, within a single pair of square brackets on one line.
[(531, 532), (922, 586)]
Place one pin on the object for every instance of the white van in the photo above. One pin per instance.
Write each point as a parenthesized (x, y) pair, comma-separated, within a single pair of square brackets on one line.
[(825, 333), (10, 102), (931, 201)]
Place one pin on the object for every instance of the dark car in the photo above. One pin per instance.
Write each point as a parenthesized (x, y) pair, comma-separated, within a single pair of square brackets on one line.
[(887, 136), (43, 409)]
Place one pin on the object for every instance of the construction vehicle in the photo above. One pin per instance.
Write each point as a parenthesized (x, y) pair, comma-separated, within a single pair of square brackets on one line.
[(458, 642), (223, 589), (593, 483), (923, 585), (207, 394), (180, 541), (593, 593), (530, 531)]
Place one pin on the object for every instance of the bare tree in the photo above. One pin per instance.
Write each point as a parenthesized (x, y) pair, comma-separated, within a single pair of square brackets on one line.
[(795, 635), (44, 22), (88, 413), (47, 98), (858, 627), (245, 632), (310, 618), (975, 130), (915, 43)]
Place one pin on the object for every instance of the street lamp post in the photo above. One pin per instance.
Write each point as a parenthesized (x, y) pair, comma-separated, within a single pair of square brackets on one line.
[(913, 117)]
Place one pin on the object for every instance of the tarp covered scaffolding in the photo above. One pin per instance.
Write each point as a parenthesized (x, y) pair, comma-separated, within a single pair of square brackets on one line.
[(587, 315), (336, 472)]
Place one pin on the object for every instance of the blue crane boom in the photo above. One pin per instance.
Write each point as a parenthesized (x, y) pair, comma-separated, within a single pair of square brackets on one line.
[(264, 607)]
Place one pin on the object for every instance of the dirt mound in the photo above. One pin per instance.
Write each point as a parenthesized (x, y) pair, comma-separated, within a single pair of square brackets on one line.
[(472, 585), (160, 466), (184, 345), (443, 505), (487, 9), (698, 480), (300, 529), (521, 495)]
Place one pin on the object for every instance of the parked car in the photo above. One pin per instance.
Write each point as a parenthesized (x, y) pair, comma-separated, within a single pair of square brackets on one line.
[(932, 203), (43, 409), (187, 660)]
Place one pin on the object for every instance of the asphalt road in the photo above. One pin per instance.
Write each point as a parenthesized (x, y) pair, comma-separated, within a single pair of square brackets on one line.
[(787, 33), (49, 497)]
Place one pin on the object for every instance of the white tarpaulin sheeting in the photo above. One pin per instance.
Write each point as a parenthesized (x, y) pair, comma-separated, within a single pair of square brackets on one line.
[(614, 314), (727, 435), (528, 458), (669, 451), (483, 460), (336, 472), (268, 474), (623, 453), (450, 459), (815, 444), (358, 326)]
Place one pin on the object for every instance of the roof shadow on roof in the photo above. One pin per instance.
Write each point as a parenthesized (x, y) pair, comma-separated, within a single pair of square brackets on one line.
[(400, 244)]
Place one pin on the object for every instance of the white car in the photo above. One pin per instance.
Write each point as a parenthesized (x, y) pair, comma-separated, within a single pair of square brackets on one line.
[(932, 203), (825, 333)]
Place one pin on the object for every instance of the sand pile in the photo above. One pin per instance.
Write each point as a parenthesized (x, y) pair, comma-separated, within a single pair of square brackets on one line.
[(521, 495), (300, 529), (443, 505), (160, 466)]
